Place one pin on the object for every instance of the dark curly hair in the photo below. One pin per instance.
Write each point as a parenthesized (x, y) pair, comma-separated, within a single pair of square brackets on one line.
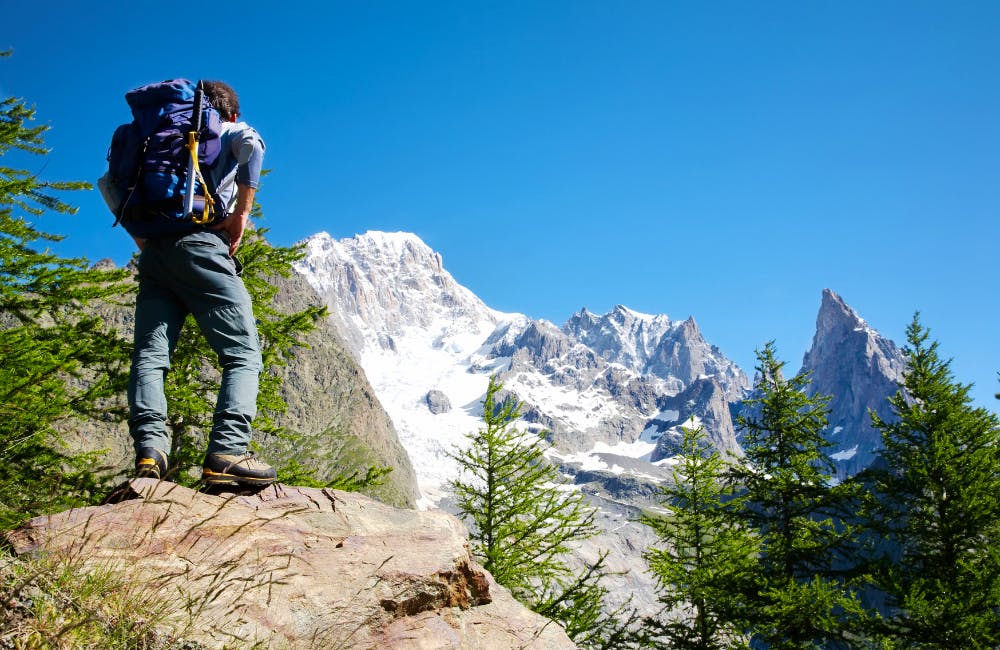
[(223, 98)]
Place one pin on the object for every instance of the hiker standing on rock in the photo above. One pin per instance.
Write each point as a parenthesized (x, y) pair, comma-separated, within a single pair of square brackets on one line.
[(187, 213)]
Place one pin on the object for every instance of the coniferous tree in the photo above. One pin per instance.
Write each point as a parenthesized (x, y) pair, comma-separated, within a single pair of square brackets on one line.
[(793, 598), (703, 557), (524, 524), (936, 505), (58, 362)]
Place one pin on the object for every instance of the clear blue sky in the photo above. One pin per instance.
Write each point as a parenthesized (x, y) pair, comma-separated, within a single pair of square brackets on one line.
[(726, 160)]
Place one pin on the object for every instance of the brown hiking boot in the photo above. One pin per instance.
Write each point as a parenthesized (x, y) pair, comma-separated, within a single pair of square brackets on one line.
[(243, 469)]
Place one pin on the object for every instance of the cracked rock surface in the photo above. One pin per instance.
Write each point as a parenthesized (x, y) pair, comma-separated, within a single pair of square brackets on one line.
[(298, 567)]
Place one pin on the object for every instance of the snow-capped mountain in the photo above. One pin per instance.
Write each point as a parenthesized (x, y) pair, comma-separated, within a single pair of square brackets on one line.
[(391, 285), (429, 345), (416, 333)]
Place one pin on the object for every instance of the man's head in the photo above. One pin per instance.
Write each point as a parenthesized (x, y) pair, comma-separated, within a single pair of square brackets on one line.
[(223, 98)]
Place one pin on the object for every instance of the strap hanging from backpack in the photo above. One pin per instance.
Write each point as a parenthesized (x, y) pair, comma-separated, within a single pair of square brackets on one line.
[(208, 212), (194, 169)]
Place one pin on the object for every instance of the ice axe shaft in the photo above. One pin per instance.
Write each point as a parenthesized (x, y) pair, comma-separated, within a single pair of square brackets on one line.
[(192, 144)]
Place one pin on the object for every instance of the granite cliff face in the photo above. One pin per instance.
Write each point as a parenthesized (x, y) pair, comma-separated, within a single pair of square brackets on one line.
[(703, 403), (860, 369), (294, 568)]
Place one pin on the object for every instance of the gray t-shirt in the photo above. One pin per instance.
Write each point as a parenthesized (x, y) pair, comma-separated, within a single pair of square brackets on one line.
[(239, 161)]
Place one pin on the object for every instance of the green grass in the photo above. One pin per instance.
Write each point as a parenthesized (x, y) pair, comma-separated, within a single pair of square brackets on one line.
[(51, 602)]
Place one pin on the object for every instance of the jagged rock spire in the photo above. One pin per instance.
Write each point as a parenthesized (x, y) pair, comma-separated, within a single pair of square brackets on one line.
[(860, 369)]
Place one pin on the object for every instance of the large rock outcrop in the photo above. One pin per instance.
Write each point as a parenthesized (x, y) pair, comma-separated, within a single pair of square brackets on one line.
[(297, 568)]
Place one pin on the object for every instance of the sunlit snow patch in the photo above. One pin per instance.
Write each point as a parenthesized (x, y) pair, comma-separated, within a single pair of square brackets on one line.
[(847, 454), (628, 458)]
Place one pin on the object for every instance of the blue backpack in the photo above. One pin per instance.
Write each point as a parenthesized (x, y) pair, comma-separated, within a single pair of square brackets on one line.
[(150, 162)]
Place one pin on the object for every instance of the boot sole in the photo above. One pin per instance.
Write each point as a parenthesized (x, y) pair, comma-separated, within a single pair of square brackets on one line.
[(147, 468), (215, 478)]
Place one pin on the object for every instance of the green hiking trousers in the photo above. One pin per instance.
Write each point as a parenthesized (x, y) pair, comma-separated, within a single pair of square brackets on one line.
[(193, 274)]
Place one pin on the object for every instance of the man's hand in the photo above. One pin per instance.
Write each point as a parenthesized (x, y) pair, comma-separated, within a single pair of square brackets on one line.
[(236, 222), (234, 225)]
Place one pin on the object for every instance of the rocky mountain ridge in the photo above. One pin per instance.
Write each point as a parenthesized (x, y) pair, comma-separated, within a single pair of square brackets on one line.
[(612, 390), (598, 384)]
